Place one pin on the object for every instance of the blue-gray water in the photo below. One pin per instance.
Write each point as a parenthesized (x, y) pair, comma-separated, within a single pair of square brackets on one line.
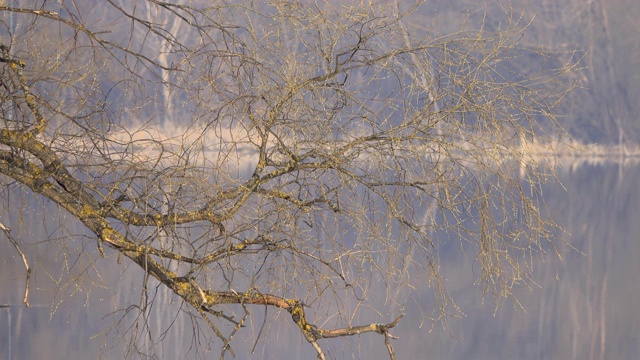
[(584, 307)]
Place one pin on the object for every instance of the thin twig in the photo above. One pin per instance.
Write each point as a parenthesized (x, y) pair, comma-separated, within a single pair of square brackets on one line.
[(387, 342), (321, 355), (227, 344), (264, 322), (7, 232), (206, 319)]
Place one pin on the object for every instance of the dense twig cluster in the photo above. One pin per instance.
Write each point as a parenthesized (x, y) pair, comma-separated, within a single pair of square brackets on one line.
[(280, 149)]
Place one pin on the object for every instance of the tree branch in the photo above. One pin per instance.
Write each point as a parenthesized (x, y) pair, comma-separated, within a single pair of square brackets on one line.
[(15, 244)]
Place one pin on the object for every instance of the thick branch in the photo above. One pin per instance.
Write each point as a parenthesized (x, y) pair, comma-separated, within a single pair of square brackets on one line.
[(143, 256), (296, 309), (17, 66), (51, 163)]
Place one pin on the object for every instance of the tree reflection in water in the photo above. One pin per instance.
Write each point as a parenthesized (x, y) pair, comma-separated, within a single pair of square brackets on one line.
[(583, 308)]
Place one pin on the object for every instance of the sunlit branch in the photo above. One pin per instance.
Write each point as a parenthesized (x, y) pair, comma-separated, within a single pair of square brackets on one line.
[(7, 233)]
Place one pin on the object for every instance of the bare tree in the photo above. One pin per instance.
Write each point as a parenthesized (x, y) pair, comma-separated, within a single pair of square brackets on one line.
[(281, 154)]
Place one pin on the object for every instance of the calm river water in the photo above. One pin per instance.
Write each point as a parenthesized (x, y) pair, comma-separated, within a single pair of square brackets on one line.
[(585, 307)]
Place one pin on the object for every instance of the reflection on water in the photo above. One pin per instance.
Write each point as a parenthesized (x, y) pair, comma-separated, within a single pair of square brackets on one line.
[(583, 309)]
